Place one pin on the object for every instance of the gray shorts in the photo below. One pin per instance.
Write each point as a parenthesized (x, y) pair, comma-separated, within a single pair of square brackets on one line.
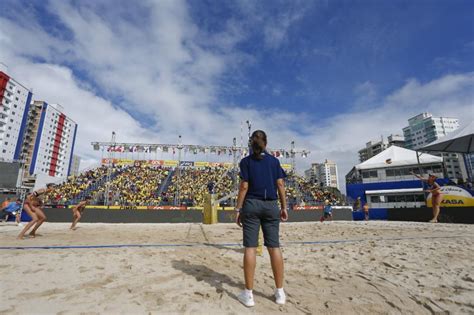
[(265, 213)]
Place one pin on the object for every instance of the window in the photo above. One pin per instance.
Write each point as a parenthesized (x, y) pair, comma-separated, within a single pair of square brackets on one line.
[(369, 174), (391, 199), (375, 199), (400, 198), (419, 198)]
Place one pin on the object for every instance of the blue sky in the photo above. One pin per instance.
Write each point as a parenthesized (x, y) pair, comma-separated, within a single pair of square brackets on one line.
[(335, 46), (330, 75)]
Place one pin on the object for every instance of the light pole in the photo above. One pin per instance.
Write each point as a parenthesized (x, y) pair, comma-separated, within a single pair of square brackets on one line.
[(293, 156), (109, 169), (249, 127), (236, 168), (178, 181)]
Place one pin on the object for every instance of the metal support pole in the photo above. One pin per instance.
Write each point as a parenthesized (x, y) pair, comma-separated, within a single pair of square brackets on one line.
[(420, 170), (249, 127), (293, 156), (236, 168), (178, 181), (109, 170)]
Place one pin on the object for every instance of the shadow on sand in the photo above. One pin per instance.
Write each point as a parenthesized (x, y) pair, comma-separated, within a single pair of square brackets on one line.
[(215, 279)]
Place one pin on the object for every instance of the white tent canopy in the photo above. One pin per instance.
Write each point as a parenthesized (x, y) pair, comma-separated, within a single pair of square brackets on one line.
[(396, 156), (459, 141)]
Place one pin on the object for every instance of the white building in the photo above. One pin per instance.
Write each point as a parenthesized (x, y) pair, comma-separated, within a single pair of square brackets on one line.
[(325, 173), (372, 148), (49, 143), (76, 162), (14, 104), (424, 129), (385, 180)]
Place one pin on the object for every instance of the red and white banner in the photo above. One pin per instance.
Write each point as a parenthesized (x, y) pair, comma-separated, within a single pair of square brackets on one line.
[(308, 208), (167, 208)]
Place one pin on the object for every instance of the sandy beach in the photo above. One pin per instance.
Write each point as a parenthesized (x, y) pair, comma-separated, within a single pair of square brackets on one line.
[(331, 268)]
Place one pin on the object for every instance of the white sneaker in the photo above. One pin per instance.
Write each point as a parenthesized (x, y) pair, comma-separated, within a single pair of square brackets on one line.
[(246, 299), (280, 297)]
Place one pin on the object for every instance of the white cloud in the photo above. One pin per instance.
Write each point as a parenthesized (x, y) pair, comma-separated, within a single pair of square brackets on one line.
[(163, 68)]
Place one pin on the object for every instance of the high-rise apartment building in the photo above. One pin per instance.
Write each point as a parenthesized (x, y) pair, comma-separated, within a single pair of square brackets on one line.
[(14, 104), (76, 162), (372, 148), (424, 129), (49, 141), (324, 173)]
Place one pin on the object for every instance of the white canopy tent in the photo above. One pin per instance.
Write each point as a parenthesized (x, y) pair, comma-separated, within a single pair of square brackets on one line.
[(396, 156), (459, 141)]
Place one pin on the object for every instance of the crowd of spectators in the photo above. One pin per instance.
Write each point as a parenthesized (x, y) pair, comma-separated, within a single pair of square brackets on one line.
[(193, 184), (76, 185), (136, 185), (145, 185), (303, 191)]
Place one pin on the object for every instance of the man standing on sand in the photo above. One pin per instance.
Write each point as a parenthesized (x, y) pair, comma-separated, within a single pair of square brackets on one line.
[(77, 211), (327, 212), (366, 211), (261, 179)]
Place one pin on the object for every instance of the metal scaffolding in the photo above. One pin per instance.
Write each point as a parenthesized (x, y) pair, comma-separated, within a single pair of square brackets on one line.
[(237, 152)]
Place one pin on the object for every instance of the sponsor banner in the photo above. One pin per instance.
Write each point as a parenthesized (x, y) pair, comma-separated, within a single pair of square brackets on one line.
[(170, 163), (201, 164), (308, 208), (453, 196), (167, 208), (155, 162), (215, 164), (186, 163)]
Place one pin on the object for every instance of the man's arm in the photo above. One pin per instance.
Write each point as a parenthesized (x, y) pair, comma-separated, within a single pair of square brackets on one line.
[(282, 195), (243, 189)]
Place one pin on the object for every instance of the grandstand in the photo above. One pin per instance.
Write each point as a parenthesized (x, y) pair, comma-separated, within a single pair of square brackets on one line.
[(141, 183)]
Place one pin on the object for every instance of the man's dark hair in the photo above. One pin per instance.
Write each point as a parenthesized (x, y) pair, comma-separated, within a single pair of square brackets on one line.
[(88, 198), (50, 185), (259, 143)]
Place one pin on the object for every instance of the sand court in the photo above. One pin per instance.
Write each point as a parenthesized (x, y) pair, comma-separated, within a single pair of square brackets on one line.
[(331, 268)]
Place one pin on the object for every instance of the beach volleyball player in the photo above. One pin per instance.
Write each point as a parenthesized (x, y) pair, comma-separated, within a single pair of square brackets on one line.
[(32, 206), (77, 211), (261, 180), (436, 196)]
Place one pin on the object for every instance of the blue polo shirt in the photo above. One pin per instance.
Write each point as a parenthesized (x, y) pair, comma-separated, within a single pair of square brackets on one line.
[(12, 207), (262, 176)]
